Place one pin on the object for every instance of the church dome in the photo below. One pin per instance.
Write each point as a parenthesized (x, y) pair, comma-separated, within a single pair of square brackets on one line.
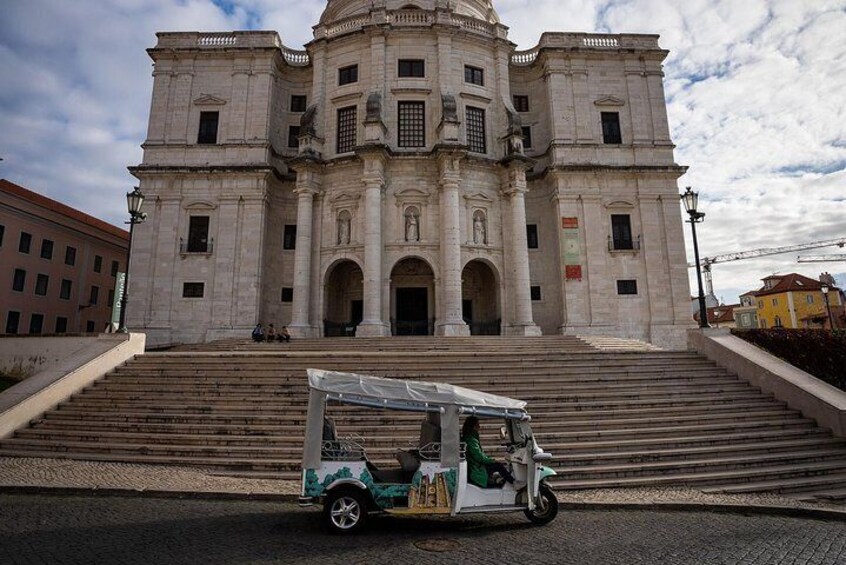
[(340, 9)]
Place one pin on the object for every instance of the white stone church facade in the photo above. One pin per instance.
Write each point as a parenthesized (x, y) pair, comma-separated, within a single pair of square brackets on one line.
[(409, 172)]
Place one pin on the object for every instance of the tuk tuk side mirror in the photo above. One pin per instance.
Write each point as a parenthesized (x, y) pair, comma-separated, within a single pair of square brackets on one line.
[(503, 432)]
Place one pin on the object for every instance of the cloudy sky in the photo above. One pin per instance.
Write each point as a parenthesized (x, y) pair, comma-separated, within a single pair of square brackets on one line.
[(756, 93)]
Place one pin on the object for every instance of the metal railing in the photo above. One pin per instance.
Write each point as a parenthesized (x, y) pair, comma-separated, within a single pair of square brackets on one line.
[(339, 329), (413, 327), (484, 328), (623, 244), (186, 248)]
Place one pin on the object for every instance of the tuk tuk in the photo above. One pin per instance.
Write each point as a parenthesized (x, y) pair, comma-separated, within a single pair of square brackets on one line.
[(429, 477)]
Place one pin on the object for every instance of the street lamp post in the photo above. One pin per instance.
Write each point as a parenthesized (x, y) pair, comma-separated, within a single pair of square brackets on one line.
[(134, 201), (690, 200), (824, 288)]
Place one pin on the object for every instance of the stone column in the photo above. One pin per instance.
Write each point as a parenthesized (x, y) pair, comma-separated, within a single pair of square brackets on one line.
[(451, 323), (515, 189), (308, 184), (374, 184)]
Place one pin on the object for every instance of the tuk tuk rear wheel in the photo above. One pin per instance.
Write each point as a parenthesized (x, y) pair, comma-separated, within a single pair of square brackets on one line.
[(546, 507), (345, 511)]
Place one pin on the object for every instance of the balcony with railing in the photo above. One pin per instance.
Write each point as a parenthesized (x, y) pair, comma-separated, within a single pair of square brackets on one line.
[(625, 244), (196, 247)]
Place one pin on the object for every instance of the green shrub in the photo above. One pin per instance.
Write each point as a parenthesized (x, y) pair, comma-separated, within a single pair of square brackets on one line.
[(821, 353)]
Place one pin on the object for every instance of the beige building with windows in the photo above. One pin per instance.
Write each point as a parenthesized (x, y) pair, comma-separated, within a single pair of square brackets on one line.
[(409, 172)]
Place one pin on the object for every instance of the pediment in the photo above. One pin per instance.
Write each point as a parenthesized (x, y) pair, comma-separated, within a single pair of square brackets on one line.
[(478, 196), (412, 193), (344, 198), (200, 205), (209, 100), (609, 101), (619, 204)]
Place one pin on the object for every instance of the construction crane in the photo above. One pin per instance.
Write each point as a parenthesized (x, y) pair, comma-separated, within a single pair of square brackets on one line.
[(820, 258), (737, 256)]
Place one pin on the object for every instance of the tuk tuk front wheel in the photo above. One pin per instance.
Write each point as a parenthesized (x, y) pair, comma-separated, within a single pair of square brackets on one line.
[(345, 511), (546, 507)]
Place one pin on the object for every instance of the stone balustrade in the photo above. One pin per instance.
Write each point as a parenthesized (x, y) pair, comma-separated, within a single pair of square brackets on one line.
[(218, 40), (584, 41), (405, 18), (295, 58)]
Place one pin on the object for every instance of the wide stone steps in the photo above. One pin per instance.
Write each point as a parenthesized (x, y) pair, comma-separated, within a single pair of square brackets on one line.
[(610, 418)]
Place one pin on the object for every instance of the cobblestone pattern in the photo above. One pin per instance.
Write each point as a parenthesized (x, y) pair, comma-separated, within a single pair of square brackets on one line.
[(44, 529), (66, 473)]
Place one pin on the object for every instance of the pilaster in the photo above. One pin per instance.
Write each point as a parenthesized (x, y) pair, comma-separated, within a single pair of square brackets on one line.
[(451, 322), (373, 178)]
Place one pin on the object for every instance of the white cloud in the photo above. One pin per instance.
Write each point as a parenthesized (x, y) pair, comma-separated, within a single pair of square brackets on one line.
[(755, 94)]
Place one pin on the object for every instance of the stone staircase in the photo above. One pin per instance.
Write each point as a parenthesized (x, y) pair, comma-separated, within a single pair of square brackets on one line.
[(611, 418)]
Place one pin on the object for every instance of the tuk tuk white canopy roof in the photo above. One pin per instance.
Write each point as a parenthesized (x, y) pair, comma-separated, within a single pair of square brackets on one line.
[(418, 392)]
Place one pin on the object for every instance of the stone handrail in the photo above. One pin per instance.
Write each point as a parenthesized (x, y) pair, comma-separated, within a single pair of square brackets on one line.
[(411, 17), (217, 40), (527, 57), (295, 58), (407, 17), (600, 41)]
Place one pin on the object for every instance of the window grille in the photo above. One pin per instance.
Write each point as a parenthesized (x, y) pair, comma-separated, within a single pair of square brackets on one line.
[(476, 130), (412, 124), (346, 129)]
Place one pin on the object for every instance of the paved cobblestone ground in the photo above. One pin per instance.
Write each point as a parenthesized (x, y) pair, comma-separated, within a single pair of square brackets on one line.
[(113, 530)]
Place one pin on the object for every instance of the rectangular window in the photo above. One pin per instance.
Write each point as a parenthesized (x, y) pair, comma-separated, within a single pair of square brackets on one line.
[(809, 298), (208, 128), (65, 289), (36, 323), (535, 292), (13, 320), (61, 325), (474, 75), (412, 124), (476, 138), (115, 268), (347, 75), (19, 280), (41, 282), (346, 129), (287, 294), (621, 231), (627, 287), (760, 304), (193, 290), (521, 103), (2, 233), (611, 128), (294, 136), (198, 234), (775, 301), (415, 68), (25, 242), (527, 137), (98, 264), (532, 236), (70, 255), (289, 239), (299, 103), (89, 326), (94, 296), (46, 249)]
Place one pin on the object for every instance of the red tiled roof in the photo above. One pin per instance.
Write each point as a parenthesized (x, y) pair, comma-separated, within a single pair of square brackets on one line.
[(726, 314), (790, 282), (63, 209)]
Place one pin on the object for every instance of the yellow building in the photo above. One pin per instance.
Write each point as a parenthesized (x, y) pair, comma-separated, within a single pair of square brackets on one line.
[(796, 301)]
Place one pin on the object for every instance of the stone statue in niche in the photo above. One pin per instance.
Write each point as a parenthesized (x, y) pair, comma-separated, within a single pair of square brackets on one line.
[(307, 121), (374, 107), (450, 108), (480, 231), (344, 229), (515, 132), (412, 225)]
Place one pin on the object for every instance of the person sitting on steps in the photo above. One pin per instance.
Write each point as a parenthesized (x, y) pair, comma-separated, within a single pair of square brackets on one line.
[(271, 333), (480, 467), (284, 335), (258, 333)]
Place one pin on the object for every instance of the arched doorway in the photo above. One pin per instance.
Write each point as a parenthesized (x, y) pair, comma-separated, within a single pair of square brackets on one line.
[(344, 299), (479, 301), (412, 298)]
